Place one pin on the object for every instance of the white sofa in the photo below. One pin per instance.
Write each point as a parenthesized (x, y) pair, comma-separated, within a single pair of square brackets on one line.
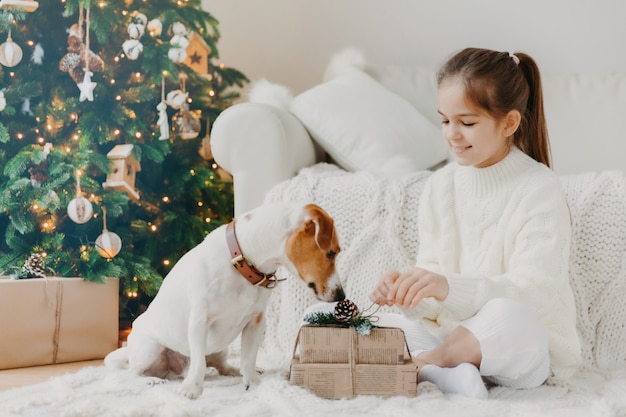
[(331, 145)]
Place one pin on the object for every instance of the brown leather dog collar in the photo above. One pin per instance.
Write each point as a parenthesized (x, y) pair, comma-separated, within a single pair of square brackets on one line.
[(243, 264)]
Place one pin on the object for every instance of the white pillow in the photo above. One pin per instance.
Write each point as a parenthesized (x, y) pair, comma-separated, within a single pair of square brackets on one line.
[(364, 126)]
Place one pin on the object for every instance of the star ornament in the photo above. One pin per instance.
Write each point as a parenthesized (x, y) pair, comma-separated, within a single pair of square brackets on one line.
[(86, 87), (195, 58)]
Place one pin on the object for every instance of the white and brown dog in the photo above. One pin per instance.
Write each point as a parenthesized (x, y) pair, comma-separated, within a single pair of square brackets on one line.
[(220, 289)]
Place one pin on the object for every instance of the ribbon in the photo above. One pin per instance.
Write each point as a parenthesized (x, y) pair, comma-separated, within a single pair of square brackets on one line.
[(55, 300)]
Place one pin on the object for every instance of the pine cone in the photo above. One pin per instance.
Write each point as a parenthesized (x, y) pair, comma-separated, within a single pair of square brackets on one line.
[(33, 267), (69, 61), (39, 173), (345, 310)]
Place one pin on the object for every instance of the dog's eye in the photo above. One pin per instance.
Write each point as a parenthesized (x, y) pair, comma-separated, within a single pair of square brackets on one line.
[(313, 287), (331, 254)]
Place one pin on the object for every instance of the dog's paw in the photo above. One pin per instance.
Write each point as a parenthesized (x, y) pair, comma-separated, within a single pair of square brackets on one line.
[(153, 380), (249, 380), (228, 371), (190, 390)]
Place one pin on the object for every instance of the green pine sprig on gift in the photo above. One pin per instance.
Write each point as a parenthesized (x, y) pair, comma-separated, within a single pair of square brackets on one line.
[(345, 314)]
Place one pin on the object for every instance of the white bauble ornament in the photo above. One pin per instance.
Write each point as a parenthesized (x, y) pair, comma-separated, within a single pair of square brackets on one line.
[(80, 210), (155, 27), (3, 101), (10, 53), (132, 48), (177, 55), (186, 123), (108, 244), (135, 30)]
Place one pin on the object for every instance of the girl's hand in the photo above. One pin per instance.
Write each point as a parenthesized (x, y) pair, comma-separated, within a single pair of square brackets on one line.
[(386, 281), (411, 287)]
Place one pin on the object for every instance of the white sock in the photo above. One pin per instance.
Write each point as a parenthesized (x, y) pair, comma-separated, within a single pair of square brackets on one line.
[(464, 379)]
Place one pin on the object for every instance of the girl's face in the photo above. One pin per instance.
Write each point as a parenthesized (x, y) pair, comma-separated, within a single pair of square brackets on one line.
[(475, 138)]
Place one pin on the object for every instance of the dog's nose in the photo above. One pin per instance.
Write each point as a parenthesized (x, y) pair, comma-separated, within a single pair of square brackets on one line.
[(339, 295)]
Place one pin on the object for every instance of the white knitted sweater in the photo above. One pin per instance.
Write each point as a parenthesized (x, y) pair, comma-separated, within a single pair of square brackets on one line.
[(500, 231), (377, 224)]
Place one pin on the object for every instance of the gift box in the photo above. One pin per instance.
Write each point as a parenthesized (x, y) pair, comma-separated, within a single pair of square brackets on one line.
[(56, 320), (331, 344), (337, 362)]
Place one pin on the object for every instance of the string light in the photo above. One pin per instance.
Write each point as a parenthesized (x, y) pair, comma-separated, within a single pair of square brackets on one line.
[(166, 262)]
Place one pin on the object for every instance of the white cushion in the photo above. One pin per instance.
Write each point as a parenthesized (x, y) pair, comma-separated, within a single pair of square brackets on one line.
[(364, 126), (585, 115)]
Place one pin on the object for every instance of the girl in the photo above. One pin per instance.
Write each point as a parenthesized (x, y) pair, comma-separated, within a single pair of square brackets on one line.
[(489, 295)]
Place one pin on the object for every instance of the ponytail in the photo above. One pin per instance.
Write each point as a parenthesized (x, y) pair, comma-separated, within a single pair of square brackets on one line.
[(533, 132)]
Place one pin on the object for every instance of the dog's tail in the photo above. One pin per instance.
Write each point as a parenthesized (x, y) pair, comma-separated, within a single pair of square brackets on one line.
[(118, 359)]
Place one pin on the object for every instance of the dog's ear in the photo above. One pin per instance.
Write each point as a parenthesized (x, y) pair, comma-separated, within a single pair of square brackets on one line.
[(319, 223)]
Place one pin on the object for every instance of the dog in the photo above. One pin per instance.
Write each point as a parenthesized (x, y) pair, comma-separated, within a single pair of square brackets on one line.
[(220, 289)]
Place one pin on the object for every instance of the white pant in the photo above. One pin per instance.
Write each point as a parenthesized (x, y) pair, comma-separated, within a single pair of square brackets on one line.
[(513, 343)]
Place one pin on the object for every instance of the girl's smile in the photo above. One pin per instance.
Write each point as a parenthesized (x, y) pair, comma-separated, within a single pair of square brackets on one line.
[(475, 138)]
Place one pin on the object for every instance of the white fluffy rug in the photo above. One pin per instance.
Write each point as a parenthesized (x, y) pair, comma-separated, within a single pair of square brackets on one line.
[(97, 391)]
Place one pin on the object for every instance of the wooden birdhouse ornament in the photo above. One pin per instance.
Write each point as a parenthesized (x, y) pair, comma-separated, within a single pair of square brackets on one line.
[(198, 54), (29, 6), (124, 168)]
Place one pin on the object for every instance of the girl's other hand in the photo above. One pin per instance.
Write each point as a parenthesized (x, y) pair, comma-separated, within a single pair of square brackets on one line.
[(411, 287), (386, 281)]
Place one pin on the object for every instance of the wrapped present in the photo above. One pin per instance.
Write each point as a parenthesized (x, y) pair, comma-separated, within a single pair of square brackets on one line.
[(331, 344), (338, 362), (56, 320)]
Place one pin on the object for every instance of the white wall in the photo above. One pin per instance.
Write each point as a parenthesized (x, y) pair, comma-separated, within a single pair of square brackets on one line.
[(291, 41)]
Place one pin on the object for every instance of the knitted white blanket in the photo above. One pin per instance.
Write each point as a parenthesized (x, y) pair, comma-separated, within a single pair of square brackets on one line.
[(376, 222)]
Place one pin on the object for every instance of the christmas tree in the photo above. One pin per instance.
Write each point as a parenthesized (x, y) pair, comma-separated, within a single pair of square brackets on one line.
[(105, 110)]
